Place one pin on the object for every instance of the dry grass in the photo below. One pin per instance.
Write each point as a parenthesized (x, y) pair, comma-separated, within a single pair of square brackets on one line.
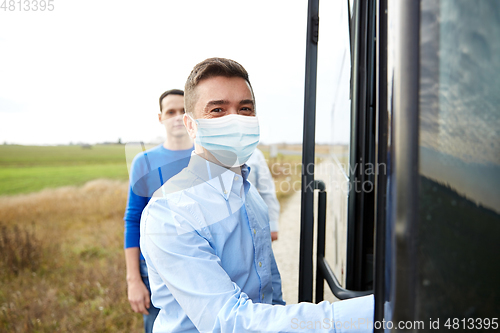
[(62, 267), (287, 173), (286, 178), (20, 250)]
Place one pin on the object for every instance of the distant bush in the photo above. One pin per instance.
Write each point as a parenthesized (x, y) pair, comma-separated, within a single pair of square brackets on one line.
[(20, 249), (61, 261)]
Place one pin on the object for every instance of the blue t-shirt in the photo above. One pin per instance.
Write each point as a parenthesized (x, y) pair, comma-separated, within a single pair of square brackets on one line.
[(149, 171)]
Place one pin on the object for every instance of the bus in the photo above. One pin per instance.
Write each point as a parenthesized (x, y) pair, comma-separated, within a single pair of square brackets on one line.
[(408, 205)]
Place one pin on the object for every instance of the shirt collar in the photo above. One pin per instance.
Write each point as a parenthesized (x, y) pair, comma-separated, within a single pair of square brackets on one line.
[(219, 177)]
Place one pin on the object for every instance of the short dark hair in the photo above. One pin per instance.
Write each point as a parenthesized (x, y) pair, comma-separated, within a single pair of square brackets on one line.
[(208, 68), (171, 92)]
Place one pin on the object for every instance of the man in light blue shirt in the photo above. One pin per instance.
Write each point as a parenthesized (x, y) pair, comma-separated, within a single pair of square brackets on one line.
[(205, 233), (261, 179)]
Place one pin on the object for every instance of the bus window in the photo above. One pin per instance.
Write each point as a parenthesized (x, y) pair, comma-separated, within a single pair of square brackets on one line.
[(333, 129), (459, 160)]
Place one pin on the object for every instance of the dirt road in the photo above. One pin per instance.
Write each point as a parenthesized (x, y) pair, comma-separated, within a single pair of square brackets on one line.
[(286, 250)]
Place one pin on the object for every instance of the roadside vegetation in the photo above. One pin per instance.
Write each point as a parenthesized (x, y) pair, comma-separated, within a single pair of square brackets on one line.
[(26, 169), (62, 266), (61, 237)]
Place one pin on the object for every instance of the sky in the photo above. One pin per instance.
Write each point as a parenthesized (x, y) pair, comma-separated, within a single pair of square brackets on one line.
[(92, 71)]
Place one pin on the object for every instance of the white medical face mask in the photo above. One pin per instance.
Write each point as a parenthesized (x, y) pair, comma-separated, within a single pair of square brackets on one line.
[(232, 139)]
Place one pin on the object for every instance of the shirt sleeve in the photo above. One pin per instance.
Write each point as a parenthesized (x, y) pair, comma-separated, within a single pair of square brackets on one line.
[(133, 211), (354, 315), (276, 282), (267, 190), (136, 203), (192, 271)]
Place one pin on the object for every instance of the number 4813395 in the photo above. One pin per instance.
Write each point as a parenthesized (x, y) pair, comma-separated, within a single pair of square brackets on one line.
[(27, 5), (472, 323)]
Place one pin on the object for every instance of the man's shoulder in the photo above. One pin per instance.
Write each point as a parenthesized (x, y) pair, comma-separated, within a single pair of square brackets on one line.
[(169, 161), (256, 157), (176, 203), (177, 186), (142, 157), (256, 162)]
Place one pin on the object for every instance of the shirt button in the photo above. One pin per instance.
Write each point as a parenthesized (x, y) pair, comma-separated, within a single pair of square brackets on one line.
[(260, 264), (254, 232), (225, 191), (235, 177), (262, 296)]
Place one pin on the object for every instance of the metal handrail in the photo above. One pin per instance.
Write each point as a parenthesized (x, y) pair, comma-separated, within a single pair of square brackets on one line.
[(323, 270)]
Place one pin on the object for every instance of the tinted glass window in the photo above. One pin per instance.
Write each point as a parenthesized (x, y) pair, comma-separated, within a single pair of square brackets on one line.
[(459, 185), (333, 127)]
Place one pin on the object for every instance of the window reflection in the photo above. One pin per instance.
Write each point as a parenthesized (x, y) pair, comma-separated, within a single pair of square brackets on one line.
[(333, 127), (460, 117), (459, 156)]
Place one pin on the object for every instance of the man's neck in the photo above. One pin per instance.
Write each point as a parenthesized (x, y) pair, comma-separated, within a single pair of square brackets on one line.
[(202, 152), (178, 143)]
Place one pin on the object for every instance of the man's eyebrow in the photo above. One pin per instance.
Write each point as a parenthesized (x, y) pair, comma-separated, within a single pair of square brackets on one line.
[(247, 101), (225, 102), (173, 109), (216, 102)]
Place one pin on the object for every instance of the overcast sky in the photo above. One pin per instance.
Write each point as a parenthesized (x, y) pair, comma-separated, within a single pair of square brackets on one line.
[(92, 71)]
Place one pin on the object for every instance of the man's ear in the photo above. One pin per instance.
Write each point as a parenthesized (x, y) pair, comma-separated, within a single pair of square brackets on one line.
[(159, 118), (190, 126)]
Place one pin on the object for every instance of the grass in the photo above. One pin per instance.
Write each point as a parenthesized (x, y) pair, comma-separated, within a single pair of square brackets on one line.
[(26, 169), (36, 156), (32, 179), (62, 267), (287, 170)]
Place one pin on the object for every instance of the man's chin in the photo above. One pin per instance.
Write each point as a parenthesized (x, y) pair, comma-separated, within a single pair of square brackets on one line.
[(179, 133)]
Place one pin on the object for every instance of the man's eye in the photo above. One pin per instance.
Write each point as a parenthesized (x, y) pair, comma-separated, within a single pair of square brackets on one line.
[(246, 110), (216, 110)]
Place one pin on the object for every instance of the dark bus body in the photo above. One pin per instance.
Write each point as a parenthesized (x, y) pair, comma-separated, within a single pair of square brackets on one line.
[(425, 105)]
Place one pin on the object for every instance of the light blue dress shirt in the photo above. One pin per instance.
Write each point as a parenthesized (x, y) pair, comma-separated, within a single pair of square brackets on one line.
[(262, 180), (206, 240)]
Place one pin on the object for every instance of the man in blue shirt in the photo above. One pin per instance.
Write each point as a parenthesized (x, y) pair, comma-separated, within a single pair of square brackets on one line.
[(148, 172), (205, 233), (261, 178)]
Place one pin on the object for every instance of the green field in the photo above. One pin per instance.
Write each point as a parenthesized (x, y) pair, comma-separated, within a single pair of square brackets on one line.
[(25, 169), (62, 267)]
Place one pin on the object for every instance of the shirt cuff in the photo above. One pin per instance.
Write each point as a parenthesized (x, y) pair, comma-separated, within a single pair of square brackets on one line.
[(354, 315), (274, 225), (132, 239)]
